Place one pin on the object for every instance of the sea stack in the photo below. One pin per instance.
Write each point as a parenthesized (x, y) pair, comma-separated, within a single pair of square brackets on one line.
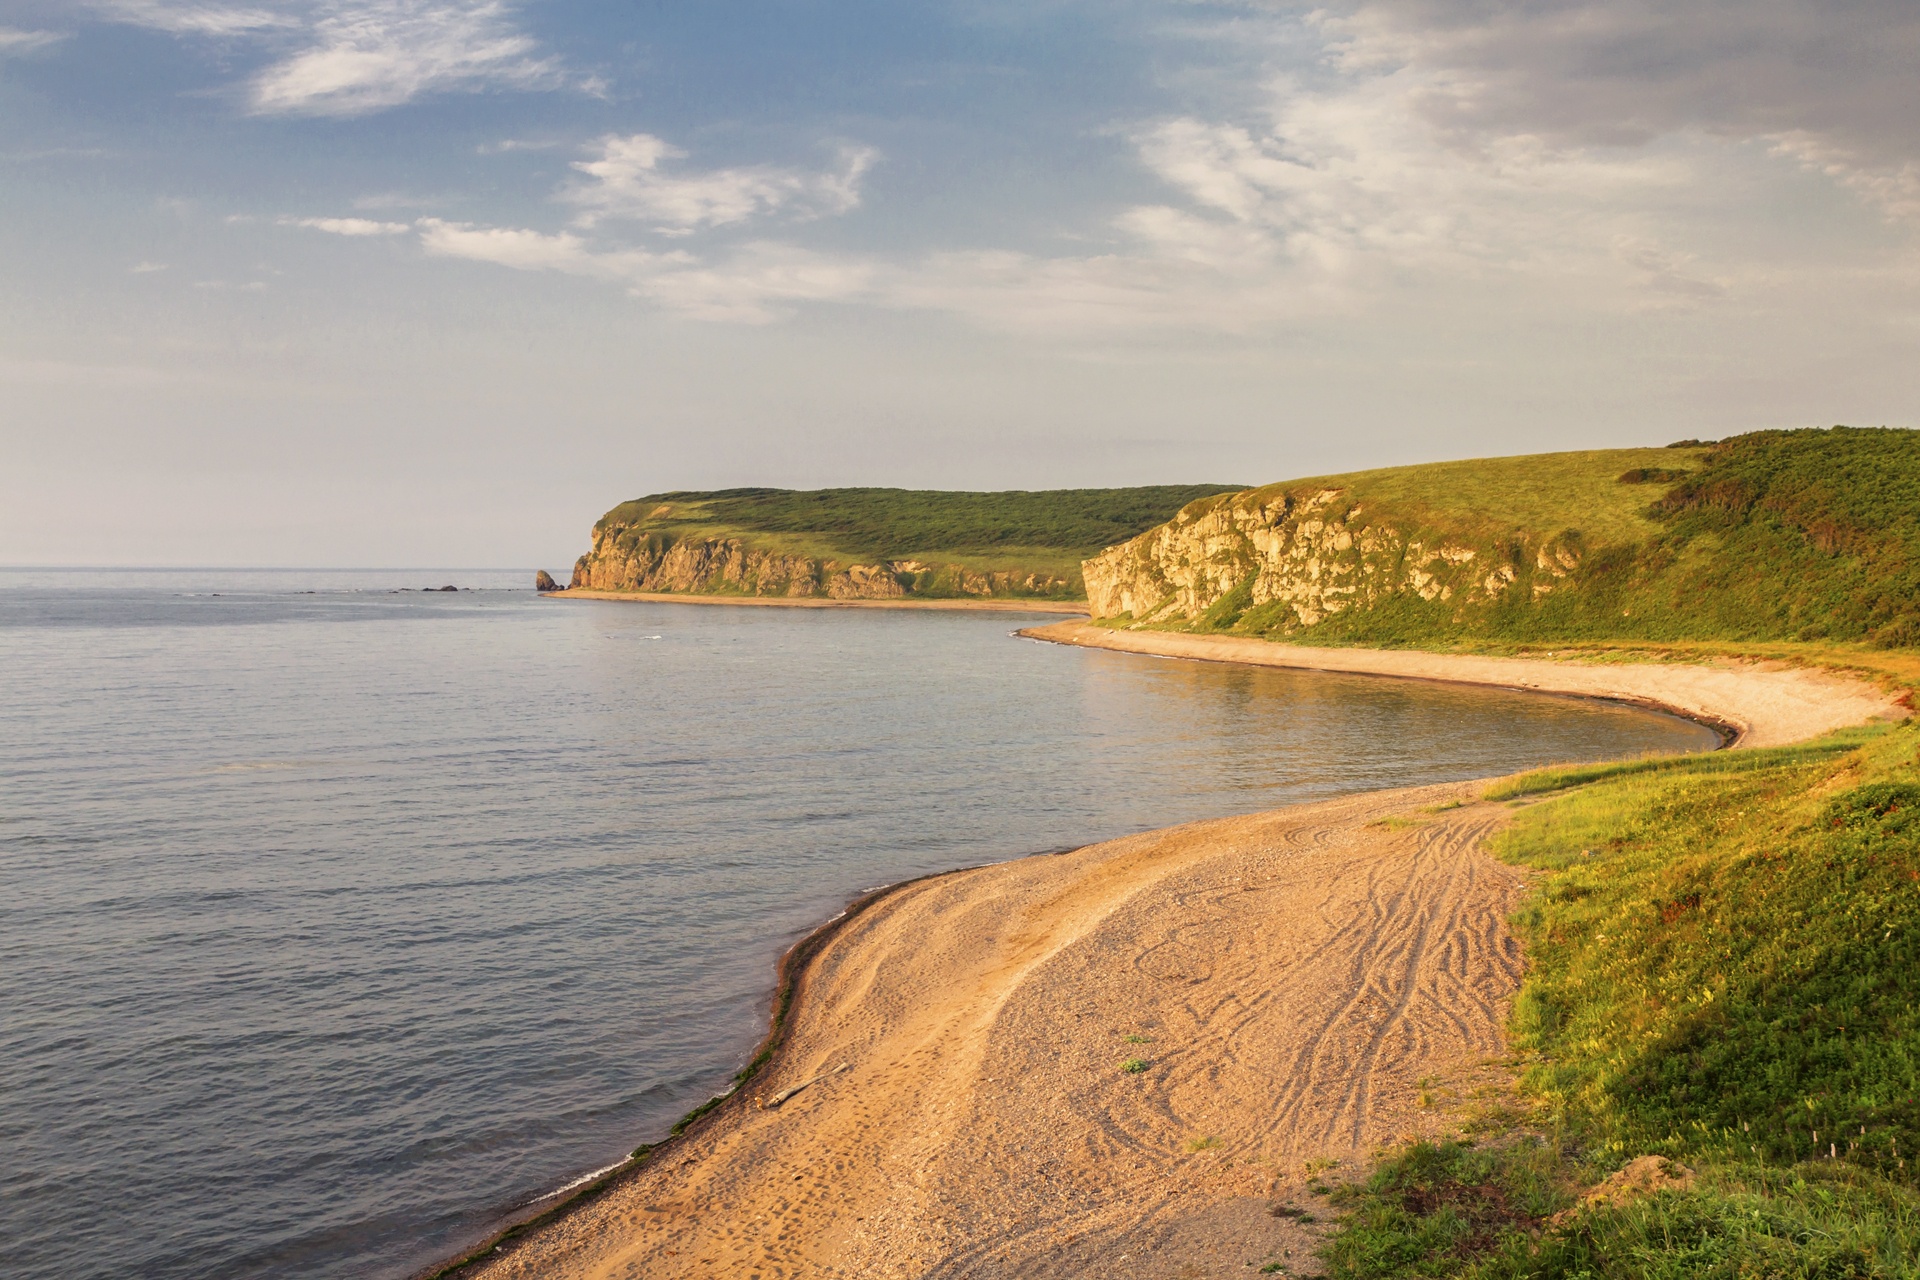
[(543, 582)]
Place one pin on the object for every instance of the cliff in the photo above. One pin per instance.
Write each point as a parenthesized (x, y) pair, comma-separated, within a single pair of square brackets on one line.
[(624, 559), (867, 544), (1773, 535)]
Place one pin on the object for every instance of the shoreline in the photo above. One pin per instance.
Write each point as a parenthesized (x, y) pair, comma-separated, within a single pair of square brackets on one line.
[(992, 604), (631, 1195), (1778, 710), (790, 975), (1750, 704)]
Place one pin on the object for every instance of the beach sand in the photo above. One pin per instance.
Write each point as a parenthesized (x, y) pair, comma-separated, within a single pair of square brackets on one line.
[(1298, 987), (1288, 980), (1760, 704)]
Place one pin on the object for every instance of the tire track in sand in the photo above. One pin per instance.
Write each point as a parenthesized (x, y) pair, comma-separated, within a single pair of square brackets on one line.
[(1287, 978)]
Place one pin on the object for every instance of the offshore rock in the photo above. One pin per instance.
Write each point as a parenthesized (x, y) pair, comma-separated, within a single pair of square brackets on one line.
[(543, 582)]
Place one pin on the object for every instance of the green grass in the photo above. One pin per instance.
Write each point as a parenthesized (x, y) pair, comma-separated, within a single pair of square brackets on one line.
[(1545, 492), (1809, 536), (890, 523), (1134, 1066), (1725, 970)]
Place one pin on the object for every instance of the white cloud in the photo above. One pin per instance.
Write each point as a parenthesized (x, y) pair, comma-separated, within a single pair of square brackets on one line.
[(193, 18), (369, 55), (15, 41), (527, 250), (353, 57), (1337, 182), (146, 268), (349, 226), (516, 144), (756, 284), (625, 181), (1891, 186)]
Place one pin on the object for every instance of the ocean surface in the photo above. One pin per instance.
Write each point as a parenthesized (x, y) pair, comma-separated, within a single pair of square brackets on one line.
[(338, 920)]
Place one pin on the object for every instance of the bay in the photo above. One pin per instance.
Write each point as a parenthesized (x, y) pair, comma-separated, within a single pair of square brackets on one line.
[(338, 918)]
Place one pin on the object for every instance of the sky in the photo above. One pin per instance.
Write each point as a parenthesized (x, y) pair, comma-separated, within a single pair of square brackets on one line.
[(436, 282)]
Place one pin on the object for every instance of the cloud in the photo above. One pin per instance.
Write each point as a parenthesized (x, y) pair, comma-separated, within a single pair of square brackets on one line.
[(625, 181), (353, 57), (146, 268), (193, 19), (15, 41), (369, 55), (756, 284), (349, 226), (517, 144), (1831, 80), (1427, 162)]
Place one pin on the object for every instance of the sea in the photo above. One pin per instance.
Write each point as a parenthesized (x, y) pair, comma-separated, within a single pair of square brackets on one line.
[(341, 919)]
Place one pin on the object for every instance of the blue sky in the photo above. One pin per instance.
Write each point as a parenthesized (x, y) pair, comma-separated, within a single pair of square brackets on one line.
[(437, 281)]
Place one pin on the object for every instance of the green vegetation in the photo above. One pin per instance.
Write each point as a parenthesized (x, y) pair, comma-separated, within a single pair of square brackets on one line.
[(1725, 971), (1134, 1066), (880, 524), (1544, 492), (1808, 536), (1018, 533)]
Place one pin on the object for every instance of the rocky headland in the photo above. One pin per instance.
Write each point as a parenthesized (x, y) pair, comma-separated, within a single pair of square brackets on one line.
[(624, 559)]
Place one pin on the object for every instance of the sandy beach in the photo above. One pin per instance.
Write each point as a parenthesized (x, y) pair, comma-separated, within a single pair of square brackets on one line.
[(989, 604), (1131, 1059), (1758, 704), (1286, 982)]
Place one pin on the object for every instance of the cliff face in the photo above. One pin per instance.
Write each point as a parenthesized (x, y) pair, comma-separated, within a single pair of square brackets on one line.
[(627, 559), (1294, 559)]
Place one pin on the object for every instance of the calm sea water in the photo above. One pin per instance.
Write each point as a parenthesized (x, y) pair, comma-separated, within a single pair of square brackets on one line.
[(335, 925)]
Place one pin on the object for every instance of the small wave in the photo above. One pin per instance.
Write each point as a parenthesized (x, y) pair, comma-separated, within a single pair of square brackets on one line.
[(580, 1181)]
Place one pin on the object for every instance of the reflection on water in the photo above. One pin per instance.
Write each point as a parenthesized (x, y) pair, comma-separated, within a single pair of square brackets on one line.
[(333, 924)]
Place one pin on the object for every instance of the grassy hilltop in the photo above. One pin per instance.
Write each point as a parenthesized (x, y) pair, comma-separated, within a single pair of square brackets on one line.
[(966, 543), (1774, 536)]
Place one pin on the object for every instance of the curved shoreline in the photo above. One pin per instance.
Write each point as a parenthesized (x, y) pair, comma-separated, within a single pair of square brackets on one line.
[(789, 984), (1751, 704), (992, 604), (1786, 705)]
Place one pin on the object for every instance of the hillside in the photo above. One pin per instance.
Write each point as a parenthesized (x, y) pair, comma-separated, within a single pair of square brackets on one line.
[(1809, 535), (869, 543), (1721, 975)]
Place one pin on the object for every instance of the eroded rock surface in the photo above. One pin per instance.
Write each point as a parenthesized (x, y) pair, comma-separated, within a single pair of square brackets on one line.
[(1313, 554), (626, 559)]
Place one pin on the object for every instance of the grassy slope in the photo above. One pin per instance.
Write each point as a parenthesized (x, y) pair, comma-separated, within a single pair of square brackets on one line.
[(1041, 531), (1541, 492), (1725, 969), (1776, 536)]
